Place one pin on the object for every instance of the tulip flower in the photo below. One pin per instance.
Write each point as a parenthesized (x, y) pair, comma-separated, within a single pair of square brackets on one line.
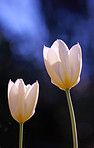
[(64, 67), (22, 101)]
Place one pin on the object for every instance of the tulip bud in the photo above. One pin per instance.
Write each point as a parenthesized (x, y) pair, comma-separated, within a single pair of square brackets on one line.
[(63, 65), (22, 99)]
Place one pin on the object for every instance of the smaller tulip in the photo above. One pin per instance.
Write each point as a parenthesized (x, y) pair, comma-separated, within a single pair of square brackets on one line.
[(22, 99), (63, 65)]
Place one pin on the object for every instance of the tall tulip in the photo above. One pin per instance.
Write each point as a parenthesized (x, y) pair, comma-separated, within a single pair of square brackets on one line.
[(64, 67), (22, 101)]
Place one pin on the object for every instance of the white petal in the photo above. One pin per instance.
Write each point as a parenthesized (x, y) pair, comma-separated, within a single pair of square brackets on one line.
[(63, 50), (17, 82), (27, 88), (10, 84), (21, 99), (12, 99), (55, 48), (31, 101), (45, 52), (52, 63), (64, 66), (50, 55), (75, 63), (54, 73), (21, 89), (65, 74)]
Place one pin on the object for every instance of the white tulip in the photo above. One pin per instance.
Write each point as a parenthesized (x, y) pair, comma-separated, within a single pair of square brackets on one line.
[(63, 65), (22, 99)]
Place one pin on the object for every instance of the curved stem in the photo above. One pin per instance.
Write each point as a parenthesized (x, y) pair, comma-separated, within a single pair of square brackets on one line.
[(72, 116), (20, 135)]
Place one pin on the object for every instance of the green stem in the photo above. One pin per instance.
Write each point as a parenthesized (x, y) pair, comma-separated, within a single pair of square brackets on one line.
[(20, 135), (72, 116)]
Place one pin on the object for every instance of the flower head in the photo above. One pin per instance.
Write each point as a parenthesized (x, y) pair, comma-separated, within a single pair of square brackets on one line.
[(63, 65), (22, 99)]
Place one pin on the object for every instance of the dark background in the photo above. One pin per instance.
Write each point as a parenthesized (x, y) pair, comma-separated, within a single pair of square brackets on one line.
[(25, 27)]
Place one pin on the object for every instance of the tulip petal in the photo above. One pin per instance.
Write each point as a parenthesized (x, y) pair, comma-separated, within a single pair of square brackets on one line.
[(55, 48), (45, 52), (27, 88), (53, 71), (31, 101), (12, 98), (21, 89), (64, 65), (63, 50), (10, 84), (60, 48), (17, 82), (75, 64), (65, 74), (21, 98), (50, 55), (52, 65), (64, 55)]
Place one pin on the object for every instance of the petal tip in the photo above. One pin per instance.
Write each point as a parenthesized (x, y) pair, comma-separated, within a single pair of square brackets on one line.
[(45, 51), (78, 45), (10, 83), (37, 82)]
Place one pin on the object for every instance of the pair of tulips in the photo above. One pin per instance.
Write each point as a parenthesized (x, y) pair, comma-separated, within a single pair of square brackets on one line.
[(63, 66)]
